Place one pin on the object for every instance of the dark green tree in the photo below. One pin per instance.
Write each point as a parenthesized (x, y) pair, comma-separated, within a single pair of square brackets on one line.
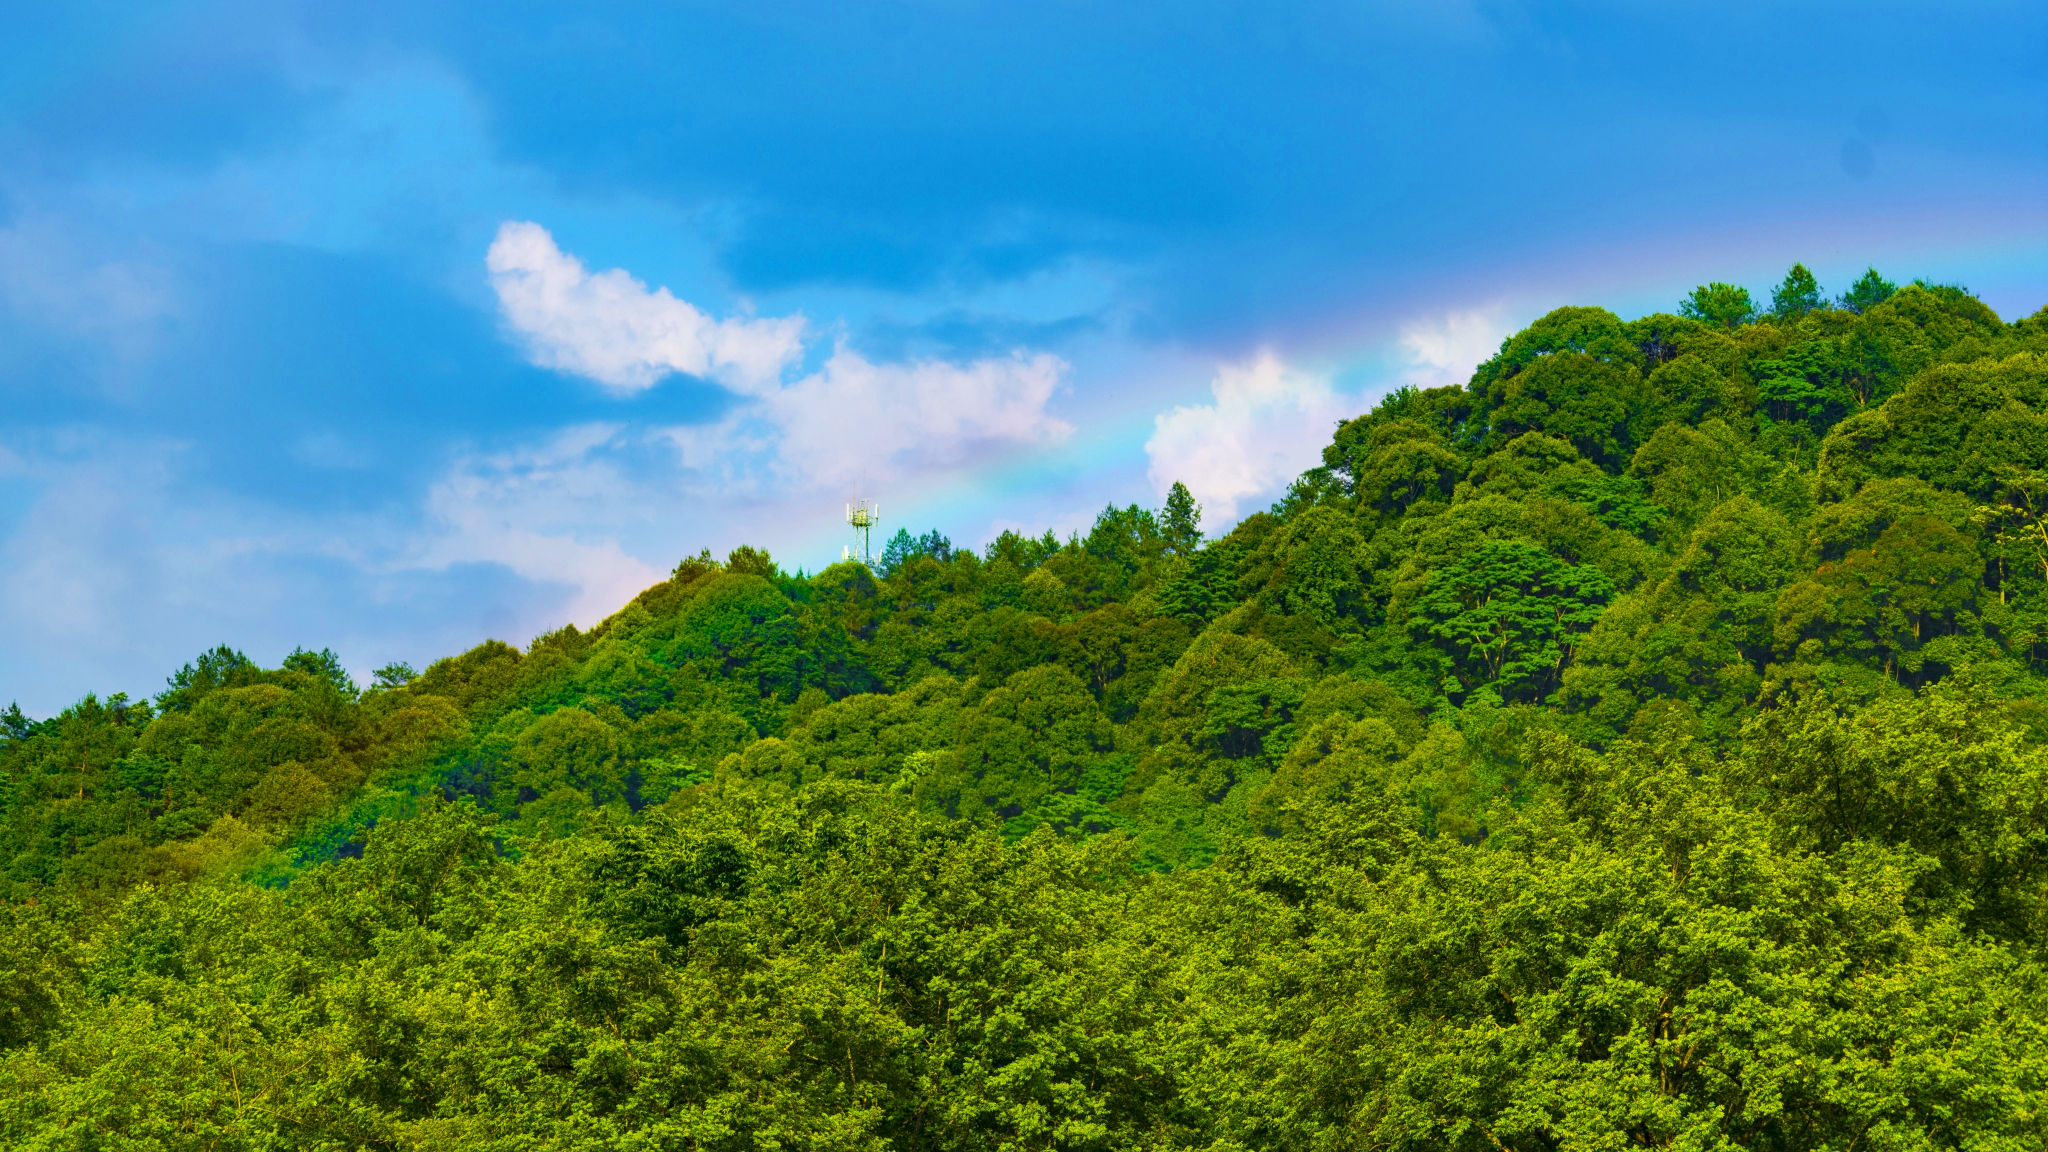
[(223, 667), (1809, 384), (751, 561), (323, 666), (904, 547), (1722, 305), (1869, 290), (1181, 521), (1798, 294), (1508, 615)]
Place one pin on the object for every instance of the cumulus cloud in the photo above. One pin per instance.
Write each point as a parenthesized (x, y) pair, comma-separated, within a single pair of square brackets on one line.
[(1266, 424), (608, 327), (576, 510), (855, 417), (1446, 349)]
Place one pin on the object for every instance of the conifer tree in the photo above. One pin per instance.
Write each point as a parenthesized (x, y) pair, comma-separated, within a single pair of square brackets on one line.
[(1797, 295), (1868, 292), (1182, 521)]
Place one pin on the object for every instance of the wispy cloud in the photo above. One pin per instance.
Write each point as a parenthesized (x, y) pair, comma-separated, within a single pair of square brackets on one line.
[(550, 513), (1267, 422), (1445, 349), (59, 276)]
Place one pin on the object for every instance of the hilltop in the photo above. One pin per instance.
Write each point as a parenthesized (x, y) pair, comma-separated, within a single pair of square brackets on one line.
[(1642, 743)]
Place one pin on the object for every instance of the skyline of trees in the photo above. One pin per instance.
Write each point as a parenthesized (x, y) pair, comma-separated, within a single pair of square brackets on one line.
[(1644, 744)]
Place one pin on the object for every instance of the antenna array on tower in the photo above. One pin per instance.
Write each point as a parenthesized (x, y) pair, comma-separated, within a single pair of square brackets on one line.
[(863, 515)]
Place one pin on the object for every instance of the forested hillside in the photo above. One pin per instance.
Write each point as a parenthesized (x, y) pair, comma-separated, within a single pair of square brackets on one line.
[(1643, 745)]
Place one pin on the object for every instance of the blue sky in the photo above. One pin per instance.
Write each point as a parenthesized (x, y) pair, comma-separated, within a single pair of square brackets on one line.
[(392, 327)]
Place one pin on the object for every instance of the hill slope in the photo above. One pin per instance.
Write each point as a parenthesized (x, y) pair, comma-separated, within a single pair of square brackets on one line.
[(1640, 744)]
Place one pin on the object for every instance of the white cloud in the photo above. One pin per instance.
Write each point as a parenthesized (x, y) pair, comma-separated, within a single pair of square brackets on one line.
[(1446, 350), (578, 510), (1268, 422), (608, 327), (550, 514), (854, 418), (123, 562)]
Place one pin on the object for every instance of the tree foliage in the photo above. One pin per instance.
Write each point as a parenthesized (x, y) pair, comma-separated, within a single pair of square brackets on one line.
[(1641, 745)]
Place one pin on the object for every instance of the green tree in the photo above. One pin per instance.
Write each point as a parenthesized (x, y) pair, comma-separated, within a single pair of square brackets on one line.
[(1125, 841), (1718, 304), (1796, 295), (1602, 408), (1809, 384), (1404, 462), (1869, 290), (750, 561), (569, 748), (1181, 521), (223, 667), (1508, 615), (1950, 774)]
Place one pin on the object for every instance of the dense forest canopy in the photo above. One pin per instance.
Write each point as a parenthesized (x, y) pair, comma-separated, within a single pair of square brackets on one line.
[(1641, 745)]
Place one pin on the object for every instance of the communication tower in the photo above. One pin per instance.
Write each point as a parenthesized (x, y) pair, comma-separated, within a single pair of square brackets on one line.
[(863, 515)]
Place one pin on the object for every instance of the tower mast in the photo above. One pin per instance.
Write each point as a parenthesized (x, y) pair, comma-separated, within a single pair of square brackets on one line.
[(863, 515)]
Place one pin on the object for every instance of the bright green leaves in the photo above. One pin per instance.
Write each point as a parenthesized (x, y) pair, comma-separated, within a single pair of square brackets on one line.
[(1796, 295), (1951, 775), (1315, 570), (1888, 604), (222, 667), (1034, 736), (1739, 549), (903, 547), (1389, 464), (1180, 524), (1841, 365), (740, 628), (1575, 374), (1690, 470), (1206, 586), (666, 881), (1405, 467), (1718, 304), (568, 748), (1595, 333), (1251, 719), (1124, 541), (1957, 426), (1602, 408), (1689, 389), (1808, 384), (1507, 615), (1619, 502)]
